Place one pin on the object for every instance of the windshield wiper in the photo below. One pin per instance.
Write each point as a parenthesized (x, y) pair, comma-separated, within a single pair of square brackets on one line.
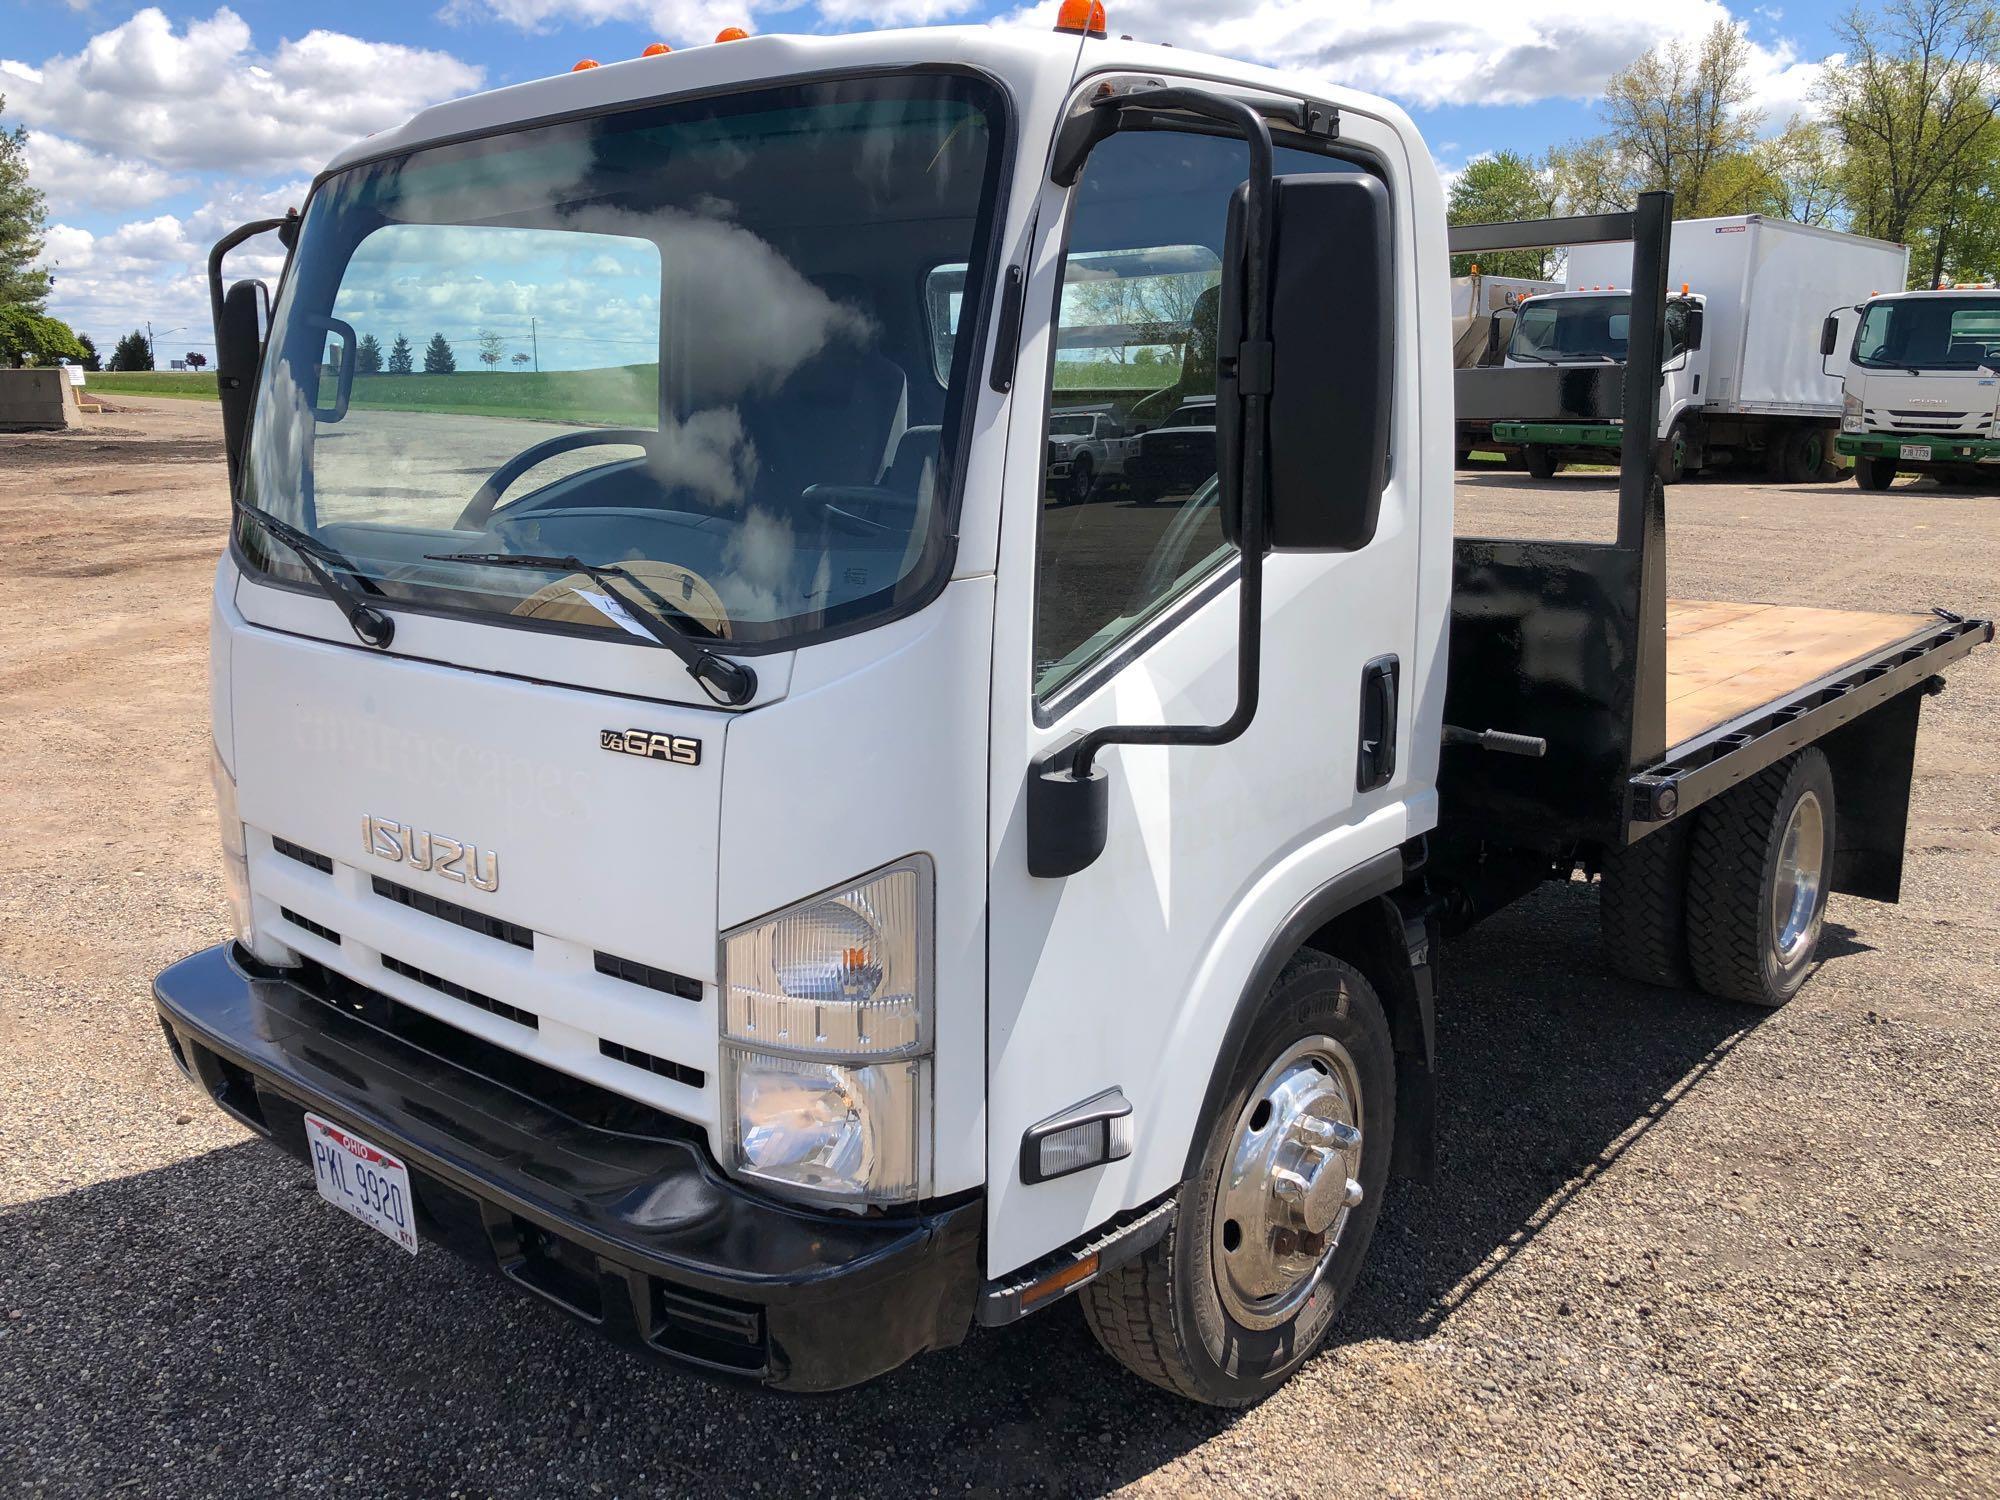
[(727, 682), (369, 623)]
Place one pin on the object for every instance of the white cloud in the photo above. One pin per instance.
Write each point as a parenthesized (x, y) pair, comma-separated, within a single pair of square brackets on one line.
[(1439, 52), (74, 176), (204, 97)]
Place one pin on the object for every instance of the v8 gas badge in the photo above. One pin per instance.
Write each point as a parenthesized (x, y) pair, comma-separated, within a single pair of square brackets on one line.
[(678, 749)]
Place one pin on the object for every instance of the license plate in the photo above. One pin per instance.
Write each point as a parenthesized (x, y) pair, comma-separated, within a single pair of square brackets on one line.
[(363, 1180), (1919, 451)]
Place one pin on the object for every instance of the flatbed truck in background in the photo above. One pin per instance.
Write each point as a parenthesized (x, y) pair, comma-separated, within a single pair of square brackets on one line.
[(759, 870), (1920, 380), (1742, 383)]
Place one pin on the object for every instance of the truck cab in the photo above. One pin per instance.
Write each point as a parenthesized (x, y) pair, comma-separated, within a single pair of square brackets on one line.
[(1588, 329), (1920, 375)]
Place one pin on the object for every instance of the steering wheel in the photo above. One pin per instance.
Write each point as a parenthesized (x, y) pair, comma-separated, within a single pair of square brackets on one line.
[(481, 506)]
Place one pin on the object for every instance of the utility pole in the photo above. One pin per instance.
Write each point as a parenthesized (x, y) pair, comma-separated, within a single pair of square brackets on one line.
[(151, 358), (535, 341)]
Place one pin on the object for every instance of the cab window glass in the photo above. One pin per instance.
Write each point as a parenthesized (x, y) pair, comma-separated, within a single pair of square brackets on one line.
[(1130, 508)]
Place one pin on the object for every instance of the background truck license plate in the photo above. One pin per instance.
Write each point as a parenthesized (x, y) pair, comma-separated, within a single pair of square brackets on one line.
[(1919, 451), (362, 1180)]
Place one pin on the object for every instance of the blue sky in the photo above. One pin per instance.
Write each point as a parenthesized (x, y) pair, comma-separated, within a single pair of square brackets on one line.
[(154, 128)]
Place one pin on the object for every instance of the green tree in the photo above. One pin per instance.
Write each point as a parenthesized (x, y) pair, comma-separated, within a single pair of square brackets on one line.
[(368, 355), (492, 348), (1957, 236), (1677, 112), (133, 352), (1589, 178), (1500, 189), (31, 337), (91, 361), (1911, 103), (400, 361), (22, 214), (438, 358)]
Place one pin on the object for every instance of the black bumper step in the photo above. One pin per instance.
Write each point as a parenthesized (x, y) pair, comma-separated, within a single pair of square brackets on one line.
[(638, 1235)]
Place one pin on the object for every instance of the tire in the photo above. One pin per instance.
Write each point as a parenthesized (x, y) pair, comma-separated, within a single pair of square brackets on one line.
[(1539, 461), (1874, 473), (1670, 461), (1802, 456), (1082, 478), (1642, 907), (1745, 940), (1164, 1315)]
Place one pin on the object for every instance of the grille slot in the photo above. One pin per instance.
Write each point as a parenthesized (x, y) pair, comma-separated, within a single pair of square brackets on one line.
[(711, 1330), (459, 992), (463, 916), (646, 976), (632, 1057), (307, 924), (302, 854)]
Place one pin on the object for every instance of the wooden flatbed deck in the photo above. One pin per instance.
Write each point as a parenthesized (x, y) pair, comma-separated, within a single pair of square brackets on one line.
[(1727, 659)]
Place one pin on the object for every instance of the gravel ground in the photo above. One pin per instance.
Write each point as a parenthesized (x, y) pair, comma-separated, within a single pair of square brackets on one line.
[(1674, 1245)]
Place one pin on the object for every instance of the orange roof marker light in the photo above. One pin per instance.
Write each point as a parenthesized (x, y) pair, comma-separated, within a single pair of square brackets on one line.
[(656, 49), (1082, 17), (582, 63), (732, 34)]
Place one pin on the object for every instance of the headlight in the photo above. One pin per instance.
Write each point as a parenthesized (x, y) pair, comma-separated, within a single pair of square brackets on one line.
[(826, 1016), (1850, 413), (235, 858)]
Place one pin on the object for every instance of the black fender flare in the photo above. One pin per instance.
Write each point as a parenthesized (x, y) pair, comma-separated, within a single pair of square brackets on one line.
[(1375, 911)]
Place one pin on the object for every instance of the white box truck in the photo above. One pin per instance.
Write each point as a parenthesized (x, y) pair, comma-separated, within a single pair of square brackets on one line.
[(731, 851), (1743, 383), (1920, 378)]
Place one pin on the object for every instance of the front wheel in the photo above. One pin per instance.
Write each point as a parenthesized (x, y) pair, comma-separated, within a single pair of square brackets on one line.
[(1082, 478), (1272, 1228), (1874, 473), (1540, 462), (1672, 461)]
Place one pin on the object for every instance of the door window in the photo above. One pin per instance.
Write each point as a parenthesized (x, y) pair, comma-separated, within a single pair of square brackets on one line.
[(1130, 508)]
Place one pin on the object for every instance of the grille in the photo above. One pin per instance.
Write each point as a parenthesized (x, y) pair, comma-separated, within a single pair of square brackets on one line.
[(632, 1057), (307, 924), (459, 992), (664, 980), (446, 911), (302, 854)]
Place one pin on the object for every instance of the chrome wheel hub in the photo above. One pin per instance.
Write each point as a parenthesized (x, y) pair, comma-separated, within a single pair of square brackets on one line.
[(1292, 1179), (1801, 870)]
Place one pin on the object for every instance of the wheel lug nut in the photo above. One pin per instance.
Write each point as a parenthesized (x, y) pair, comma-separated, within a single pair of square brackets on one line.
[(1352, 1195)]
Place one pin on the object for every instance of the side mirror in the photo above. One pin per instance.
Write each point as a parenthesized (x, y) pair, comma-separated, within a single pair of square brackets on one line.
[(239, 344), (1829, 335), (1332, 322), (1693, 326), (336, 370)]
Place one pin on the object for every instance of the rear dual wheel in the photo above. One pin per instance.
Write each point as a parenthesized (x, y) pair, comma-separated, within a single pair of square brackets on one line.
[(1734, 899), (1272, 1228)]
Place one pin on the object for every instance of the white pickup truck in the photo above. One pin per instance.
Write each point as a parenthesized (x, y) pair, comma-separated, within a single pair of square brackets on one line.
[(726, 851), (1086, 445)]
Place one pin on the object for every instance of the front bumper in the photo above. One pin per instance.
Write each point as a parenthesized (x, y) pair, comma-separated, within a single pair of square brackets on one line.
[(1942, 450), (625, 1224), (1561, 434)]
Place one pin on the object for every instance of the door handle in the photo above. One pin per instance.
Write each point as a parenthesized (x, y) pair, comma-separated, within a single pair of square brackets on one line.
[(1375, 763)]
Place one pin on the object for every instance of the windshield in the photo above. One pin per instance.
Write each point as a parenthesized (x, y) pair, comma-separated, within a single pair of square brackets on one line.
[(1062, 426), (691, 340), (1553, 329), (1930, 333)]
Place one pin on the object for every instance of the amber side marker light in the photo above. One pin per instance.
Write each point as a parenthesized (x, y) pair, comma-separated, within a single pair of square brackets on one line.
[(732, 34), (582, 63), (656, 49), (1082, 17)]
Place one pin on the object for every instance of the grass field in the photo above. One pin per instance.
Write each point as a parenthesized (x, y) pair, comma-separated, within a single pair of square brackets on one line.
[(627, 395)]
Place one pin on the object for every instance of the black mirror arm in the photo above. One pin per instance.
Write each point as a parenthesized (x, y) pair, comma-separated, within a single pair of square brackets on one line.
[(1067, 794), (287, 228)]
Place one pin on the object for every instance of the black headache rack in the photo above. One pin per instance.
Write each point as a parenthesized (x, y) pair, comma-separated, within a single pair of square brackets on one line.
[(1566, 642), (602, 1206)]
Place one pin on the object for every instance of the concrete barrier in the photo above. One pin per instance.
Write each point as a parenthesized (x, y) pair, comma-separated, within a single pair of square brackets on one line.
[(33, 399)]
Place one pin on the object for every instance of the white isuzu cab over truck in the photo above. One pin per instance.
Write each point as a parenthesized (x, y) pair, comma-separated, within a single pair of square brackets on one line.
[(1920, 385), (714, 838), (1741, 383)]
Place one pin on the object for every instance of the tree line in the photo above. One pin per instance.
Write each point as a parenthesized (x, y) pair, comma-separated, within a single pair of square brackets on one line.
[(1905, 145)]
